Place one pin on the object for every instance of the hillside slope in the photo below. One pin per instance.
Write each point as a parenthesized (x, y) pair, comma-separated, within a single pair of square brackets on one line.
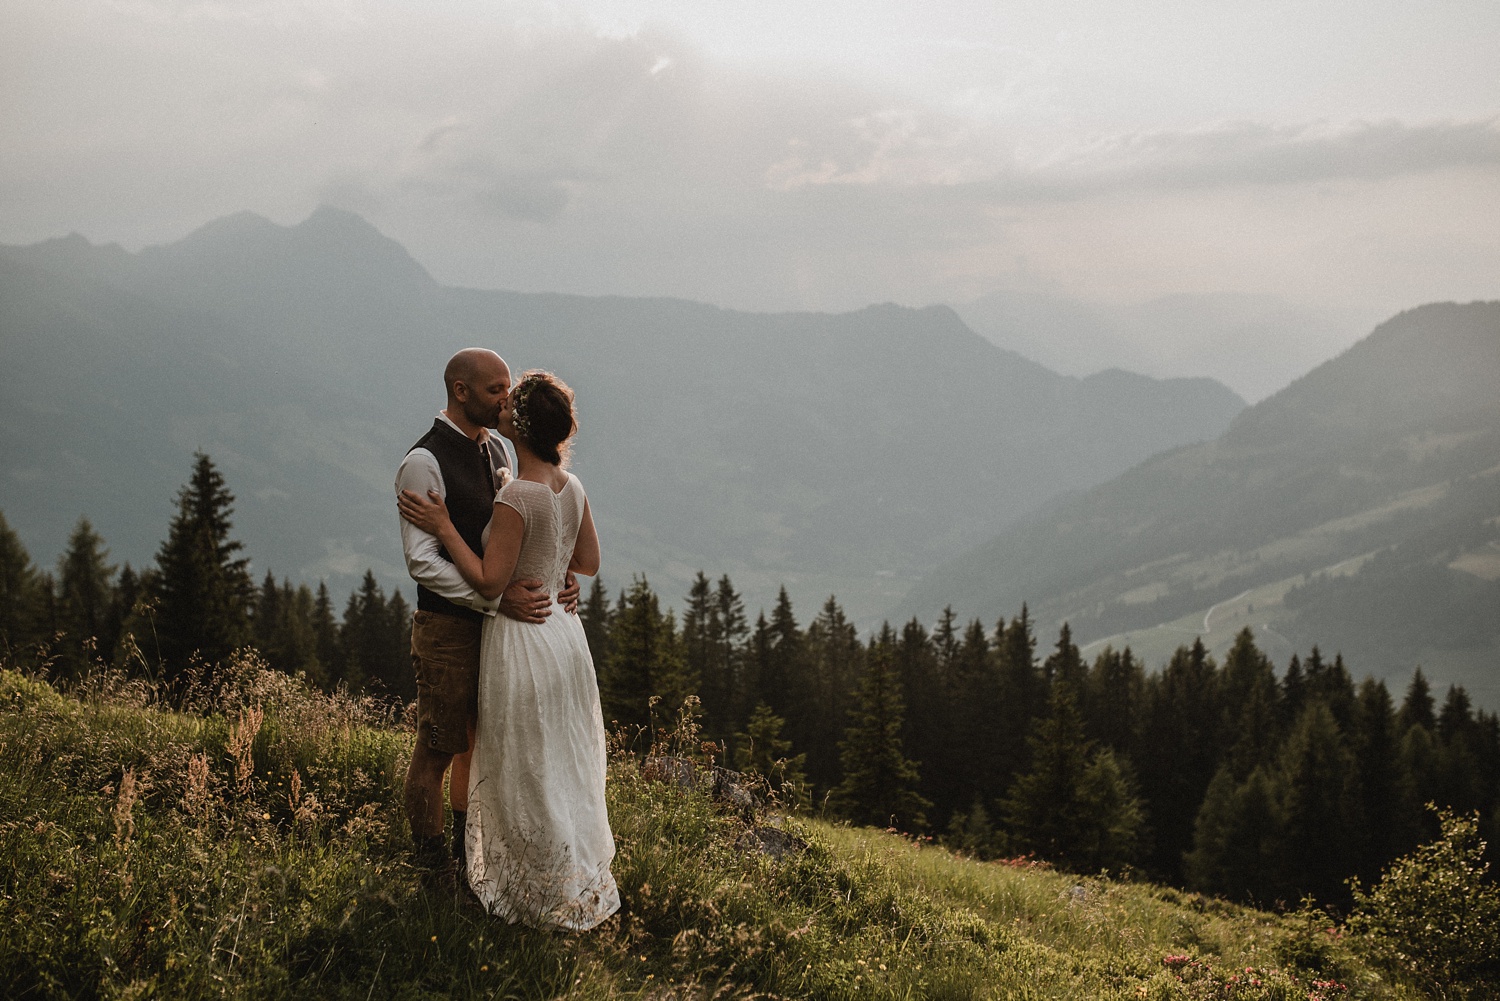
[(281, 872), (1359, 508), (834, 453)]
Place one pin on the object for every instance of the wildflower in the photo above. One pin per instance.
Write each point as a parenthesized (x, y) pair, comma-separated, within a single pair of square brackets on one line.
[(242, 745), (124, 825), (195, 796)]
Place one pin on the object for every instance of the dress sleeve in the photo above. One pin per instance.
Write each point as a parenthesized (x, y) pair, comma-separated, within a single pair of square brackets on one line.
[(513, 495)]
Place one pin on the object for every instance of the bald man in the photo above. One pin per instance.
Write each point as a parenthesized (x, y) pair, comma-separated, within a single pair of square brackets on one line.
[(466, 462)]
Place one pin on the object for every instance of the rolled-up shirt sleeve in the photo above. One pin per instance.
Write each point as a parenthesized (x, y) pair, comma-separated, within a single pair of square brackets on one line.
[(424, 561)]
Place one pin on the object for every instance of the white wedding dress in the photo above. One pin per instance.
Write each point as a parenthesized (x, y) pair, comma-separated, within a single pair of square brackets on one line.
[(538, 837)]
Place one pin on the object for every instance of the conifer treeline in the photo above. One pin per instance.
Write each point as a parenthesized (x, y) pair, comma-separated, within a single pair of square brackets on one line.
[(194, 607), (1220, 776)]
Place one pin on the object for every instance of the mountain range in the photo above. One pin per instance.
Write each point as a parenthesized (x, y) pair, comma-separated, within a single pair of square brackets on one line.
[(1358, 509), (1256, 344), (833, 453)]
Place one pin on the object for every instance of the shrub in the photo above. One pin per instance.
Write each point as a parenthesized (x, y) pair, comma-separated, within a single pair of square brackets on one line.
[(1433, 914)]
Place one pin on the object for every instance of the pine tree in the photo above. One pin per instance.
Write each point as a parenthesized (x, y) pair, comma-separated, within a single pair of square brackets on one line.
[(1044, 810), (118, 619), (645, 661), (1293, 693), (700, 648), (945, 639), (1331, 684), (1462, 787), (1317, 791), (266, 622), (85, 594), (1237, 841), (734, 630), (46, 621), (1181, 733), (1420, 778), (1021, 696), (20, 585), (357, 634), (204, 590), (763, 752), (326, 639), (300, 633), (1112, 708), (1114, 817), (1416, 708), (758, 664), (376, 642), (403, 681), (970, 755), (834, 657), (138, 649), (787, 687), (1377, 756), (594, 614), (880, 781), (1250, 715), (971, 831), (1064, 663), (926, 695)]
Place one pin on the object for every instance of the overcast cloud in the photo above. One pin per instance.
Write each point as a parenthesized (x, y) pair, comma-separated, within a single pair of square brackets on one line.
[(781, 156)]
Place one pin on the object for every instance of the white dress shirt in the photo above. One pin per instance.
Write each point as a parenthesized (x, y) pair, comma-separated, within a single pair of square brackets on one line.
[(419, 473)]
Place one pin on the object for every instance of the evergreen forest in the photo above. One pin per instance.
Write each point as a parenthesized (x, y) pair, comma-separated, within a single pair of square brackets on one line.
[(1238, 777)]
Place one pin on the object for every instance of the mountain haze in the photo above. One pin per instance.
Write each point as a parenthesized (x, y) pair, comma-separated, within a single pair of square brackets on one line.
[(836, 453), (1256, 344), (1359, 509)]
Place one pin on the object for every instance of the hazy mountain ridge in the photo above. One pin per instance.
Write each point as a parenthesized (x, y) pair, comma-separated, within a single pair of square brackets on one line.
[(1253, 343), (838, 453), (1387, 455)]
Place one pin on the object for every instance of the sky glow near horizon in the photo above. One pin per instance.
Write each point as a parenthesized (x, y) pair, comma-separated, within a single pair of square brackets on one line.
[(781, 155)]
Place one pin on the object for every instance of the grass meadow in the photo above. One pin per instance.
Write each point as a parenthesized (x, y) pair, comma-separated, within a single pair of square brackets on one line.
[(252, 845)]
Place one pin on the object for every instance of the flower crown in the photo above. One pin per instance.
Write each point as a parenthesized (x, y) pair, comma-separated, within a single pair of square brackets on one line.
[(519, 396)]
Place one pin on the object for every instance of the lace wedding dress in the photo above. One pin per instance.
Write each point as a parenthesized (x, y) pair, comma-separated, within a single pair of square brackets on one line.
[(538, 837)]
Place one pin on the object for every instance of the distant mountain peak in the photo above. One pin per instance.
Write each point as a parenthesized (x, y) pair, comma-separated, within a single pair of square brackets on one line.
[(328, 219), (329, 251), (230, 227), (73, 254)]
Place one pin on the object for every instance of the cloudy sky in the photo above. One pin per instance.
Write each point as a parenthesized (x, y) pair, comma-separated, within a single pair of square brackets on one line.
[(782, 154)]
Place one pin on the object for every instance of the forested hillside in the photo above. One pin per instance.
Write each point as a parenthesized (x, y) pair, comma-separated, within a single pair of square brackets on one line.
[(1358, 509)]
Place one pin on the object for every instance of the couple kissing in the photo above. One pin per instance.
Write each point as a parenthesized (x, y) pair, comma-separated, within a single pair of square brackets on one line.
[(506, 691)]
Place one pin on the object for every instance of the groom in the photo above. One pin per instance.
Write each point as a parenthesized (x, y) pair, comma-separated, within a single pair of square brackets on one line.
[(465, 462)]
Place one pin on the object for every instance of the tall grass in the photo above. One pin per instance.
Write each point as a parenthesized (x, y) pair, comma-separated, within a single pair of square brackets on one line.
[(253, 845)]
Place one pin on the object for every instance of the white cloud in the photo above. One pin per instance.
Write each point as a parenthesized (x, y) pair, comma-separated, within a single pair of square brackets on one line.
[(1257, 153), (522, 146)]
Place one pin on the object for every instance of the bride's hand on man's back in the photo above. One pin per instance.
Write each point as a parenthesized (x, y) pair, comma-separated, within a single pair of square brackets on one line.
[(429, 515)]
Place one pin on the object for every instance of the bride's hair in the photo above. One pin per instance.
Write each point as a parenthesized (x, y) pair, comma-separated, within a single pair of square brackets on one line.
[(543, 415)]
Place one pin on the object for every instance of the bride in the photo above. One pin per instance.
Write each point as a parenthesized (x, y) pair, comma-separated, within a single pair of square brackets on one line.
[(538, 837)]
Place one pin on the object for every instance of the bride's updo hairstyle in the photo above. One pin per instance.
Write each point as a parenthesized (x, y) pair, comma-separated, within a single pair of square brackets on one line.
[(542, 411)]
